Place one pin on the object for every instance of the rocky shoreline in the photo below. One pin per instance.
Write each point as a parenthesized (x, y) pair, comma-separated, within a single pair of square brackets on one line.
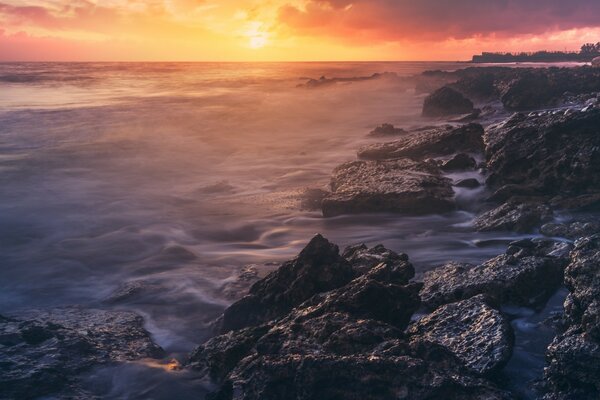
[(359, 323)]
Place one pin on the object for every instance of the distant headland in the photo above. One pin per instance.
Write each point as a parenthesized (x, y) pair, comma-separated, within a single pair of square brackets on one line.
[(587, 53)]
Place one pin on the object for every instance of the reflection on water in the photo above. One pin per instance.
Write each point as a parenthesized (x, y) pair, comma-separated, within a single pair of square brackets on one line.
[(174, 176)]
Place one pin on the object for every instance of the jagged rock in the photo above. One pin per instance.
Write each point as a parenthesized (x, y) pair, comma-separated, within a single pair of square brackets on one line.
[(364, 259), (387, 130), (43, 352), (548, 155), (356, 377), (470, 183), (459, 162), (513, 216), (446, 101), (318, 268), (475, 332), (401, 186), (571, 230), (574, 356), (528, 91), (440, 141), (527, 275), (218, 356)]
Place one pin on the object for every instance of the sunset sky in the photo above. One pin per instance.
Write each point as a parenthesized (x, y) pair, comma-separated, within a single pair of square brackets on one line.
[(289, 30)]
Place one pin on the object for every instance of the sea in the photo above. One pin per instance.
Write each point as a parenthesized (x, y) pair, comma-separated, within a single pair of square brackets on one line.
[(178, 176)]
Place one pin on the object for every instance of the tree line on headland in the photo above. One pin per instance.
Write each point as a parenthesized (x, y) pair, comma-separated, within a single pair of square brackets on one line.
[(587, 53)]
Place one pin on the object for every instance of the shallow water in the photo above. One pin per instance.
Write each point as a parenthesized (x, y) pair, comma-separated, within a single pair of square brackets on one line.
[(178, 175)]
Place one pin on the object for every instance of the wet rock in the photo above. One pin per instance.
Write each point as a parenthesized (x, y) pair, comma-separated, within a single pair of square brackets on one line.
[(364, 259), (596, 62), (219, 356), (574, 356), (400, 186), (528, 91), (312, 199), (440, 141), (133, 291), (513, 216), (43, 352), (446, 101), (470, 183), (571, 230), (526, 276), (318, 268), (475, 332), (459, 162), (387, 130), (356, 377), (550, 155)]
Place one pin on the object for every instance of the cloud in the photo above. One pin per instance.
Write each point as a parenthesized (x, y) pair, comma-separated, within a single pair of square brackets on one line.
[(397, 20)]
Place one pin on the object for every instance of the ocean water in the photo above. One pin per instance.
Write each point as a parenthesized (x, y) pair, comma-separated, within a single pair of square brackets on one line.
[(175, 176)]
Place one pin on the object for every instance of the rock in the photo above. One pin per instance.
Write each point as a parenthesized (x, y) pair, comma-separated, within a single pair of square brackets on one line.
[(470, 183), (550, 155), (356, 377), (387, 130), (364, 259), (528, 91), (312, 199), (459, 162), (526, 276), (440, 141), (43, 352), (400, 186), (446, 101), (572, 230), (573, 367), (574, 356), (475, 332), (513, 216), (318, 268), (596, 62)]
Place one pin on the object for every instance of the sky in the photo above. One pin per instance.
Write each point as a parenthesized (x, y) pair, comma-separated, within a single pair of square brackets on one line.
[(289, 30)]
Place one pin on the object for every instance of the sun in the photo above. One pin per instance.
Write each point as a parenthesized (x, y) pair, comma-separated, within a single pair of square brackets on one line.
[(257, 42)]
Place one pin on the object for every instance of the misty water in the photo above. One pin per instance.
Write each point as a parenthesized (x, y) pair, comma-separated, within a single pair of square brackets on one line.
[(177, 176)]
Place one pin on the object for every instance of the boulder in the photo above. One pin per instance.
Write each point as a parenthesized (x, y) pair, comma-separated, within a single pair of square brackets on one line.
[(527, 275), (513, 216), (441, 141), (571, 230), (318, 268), (472, 330), (574, 356), (363, 259), (401, 186), (528, 91), (386, 130), (446, 101), (549, 155), (459, 162), (355, 377), (596, 62), (43, 352)]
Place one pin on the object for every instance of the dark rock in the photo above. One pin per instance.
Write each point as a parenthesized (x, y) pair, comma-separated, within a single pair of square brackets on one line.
[(528, 91), (571, 230), (446, 101), (43, 352), (459, 162), (470, 183), (475, 332), (527, 276), (551, 154), (440, 141), (596, 62), (356, 377), (364, 259), (219, 356), (513, 216), (401, 186), (387, 130), (312, 199), (574, 356), (318, 268)]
